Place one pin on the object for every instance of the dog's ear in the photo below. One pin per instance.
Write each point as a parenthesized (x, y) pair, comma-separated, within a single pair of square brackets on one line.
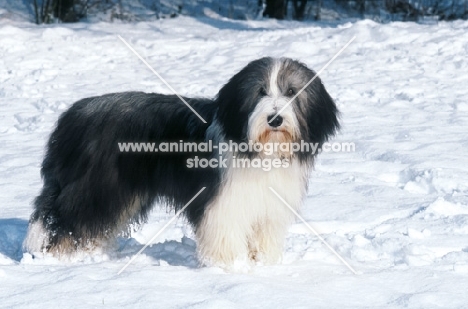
[(229, 101), (238, 98), (323, 118)]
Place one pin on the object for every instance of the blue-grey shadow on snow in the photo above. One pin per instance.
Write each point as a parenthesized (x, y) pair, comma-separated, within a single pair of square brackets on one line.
[(243, 25), (12, 234), (229, 24), (176, 253)]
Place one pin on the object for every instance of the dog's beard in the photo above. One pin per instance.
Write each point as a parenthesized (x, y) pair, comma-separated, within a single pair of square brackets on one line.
[(261, 132), (279, 139), (276, 136)]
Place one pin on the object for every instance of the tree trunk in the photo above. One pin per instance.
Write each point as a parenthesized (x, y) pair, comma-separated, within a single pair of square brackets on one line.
[(275, 9), (36, 12), (318, 15), (46, 16), (299, 9)]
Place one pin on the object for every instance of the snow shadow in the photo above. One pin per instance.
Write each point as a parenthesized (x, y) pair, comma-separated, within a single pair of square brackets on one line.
[(225, 24), (12, 233), (241, 25), (176, 253)]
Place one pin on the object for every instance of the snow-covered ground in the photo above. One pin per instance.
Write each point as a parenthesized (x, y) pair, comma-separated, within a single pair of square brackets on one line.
[(396, 209)]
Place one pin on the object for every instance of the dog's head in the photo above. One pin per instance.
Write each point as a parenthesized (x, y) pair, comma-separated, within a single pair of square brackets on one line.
[(271, 100)]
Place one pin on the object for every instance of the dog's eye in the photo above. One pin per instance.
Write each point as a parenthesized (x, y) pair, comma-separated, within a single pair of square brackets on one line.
[(262, 92), (291, 92)]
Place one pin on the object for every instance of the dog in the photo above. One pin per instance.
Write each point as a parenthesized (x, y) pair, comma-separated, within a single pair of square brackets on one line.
[(92, 190)]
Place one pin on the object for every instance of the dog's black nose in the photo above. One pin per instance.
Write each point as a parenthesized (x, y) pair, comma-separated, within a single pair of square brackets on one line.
[(275, 122)]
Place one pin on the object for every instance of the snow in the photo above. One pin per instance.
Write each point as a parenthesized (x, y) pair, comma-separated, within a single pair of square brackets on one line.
[(396, 209)]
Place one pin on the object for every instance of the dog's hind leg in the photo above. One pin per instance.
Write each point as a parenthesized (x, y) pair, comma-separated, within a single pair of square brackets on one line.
[(39, 235)]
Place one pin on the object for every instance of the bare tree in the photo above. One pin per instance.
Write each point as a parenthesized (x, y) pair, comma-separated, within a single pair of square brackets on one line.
[(48, 11), (299, 9), (275, 9), (318, 12)]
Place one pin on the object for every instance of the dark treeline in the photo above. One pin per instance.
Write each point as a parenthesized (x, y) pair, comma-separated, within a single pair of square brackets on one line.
[(49, 11)]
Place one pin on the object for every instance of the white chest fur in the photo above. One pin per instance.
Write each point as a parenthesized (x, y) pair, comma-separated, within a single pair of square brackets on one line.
[(246, 220)]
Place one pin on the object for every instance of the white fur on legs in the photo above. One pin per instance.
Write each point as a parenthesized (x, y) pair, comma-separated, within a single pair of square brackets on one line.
[(36, 238), (37, 244), (247, 221), (266, 244)]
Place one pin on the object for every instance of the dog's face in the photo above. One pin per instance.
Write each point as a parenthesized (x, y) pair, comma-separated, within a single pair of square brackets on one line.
[(249, 104)]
